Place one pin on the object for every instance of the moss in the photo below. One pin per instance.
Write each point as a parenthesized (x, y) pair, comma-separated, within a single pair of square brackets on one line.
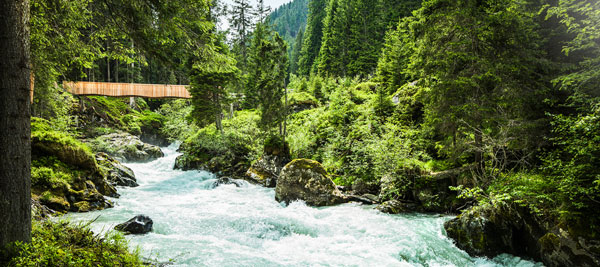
[(549, 242), (308, 164), (40, 125), (259, 174), (55, 202), (47, 177), (82, 206)]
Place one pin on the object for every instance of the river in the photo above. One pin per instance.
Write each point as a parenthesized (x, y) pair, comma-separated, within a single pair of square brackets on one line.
[(198, 225)]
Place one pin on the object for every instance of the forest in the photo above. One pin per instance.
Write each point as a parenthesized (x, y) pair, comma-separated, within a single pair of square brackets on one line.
[(487, 112)]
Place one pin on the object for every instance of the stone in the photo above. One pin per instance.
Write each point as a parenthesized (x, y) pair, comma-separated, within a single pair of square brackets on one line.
[(371, 197), (490, 231), (127, 147), (305, 179), (265, 171), (227, 180), (395, 207), (139, 224), (117, 173), (360, 187), (360, 199)]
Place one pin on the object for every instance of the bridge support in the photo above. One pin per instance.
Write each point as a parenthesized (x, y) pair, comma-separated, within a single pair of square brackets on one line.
[(132, 102)]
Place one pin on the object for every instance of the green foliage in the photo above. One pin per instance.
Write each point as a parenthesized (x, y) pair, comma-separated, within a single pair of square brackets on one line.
[(176, 125), (349, 139), (573, 165), (582, 20), (48, 178), (64, 244), (353, 34), (41, 133)]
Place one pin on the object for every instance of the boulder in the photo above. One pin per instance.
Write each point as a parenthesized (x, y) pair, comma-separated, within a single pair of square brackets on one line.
[(265, 171), (227, 180), (117, 173), (228, 161), (395, 206), (139, 224), (305, 179), (46, 144), (39, 211), (126, 147), (490, 231)]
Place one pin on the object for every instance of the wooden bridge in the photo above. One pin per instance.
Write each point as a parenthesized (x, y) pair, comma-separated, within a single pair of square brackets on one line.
[(128, 89)]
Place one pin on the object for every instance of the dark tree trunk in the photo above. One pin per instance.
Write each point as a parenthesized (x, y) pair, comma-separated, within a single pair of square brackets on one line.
[(15, 143)]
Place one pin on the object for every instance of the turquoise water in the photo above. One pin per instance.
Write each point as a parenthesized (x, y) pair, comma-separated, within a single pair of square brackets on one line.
[(197, 225)]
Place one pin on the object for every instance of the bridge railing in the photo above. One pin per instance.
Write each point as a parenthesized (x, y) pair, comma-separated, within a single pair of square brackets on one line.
[(128, 89)]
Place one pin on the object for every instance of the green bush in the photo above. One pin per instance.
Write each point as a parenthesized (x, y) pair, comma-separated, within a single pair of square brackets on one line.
[(64, 244)]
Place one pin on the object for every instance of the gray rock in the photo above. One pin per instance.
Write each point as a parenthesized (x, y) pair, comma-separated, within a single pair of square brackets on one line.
[(126, 147), (394, 207), (305, 179), (227, 180), (265, 171), (139, 224), (117, 173), (490, 231)]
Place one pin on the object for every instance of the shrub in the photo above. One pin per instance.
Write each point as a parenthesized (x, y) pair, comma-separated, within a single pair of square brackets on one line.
[(64, 244)]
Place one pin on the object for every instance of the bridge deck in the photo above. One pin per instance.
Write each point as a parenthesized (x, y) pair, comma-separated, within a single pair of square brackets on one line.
[(128, 89)]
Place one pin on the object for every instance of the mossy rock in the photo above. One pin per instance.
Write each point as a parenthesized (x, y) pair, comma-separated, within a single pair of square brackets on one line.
[(305, 179), (63, 147), (55, 202), (82, 206)]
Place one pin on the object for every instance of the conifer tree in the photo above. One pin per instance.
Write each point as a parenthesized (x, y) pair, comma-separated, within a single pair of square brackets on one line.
[(242, 15), (313, 35), (269, 65), (333, 55), (296, 52), (478, 60), (212, 70)]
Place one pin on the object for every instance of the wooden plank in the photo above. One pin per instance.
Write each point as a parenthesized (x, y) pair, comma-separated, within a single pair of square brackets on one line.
[(128, 89)]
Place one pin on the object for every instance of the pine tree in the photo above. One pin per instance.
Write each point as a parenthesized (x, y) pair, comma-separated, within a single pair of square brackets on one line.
[(296, 52), (479, 61), (212, 70), (333, 55), (392, 70), (242, 15), (262, 11), (269, 65), (366, 35), (313, 35)]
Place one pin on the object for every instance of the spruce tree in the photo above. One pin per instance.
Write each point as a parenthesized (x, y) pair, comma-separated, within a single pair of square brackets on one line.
[(313, 35), (242, 15), (269, 65), (296, 52), (478, 61)]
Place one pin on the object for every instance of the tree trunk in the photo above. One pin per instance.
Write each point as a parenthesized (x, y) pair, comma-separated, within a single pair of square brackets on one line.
[(15, 142), (479, 150), (285, 115), (116, 71), (218, 118)]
